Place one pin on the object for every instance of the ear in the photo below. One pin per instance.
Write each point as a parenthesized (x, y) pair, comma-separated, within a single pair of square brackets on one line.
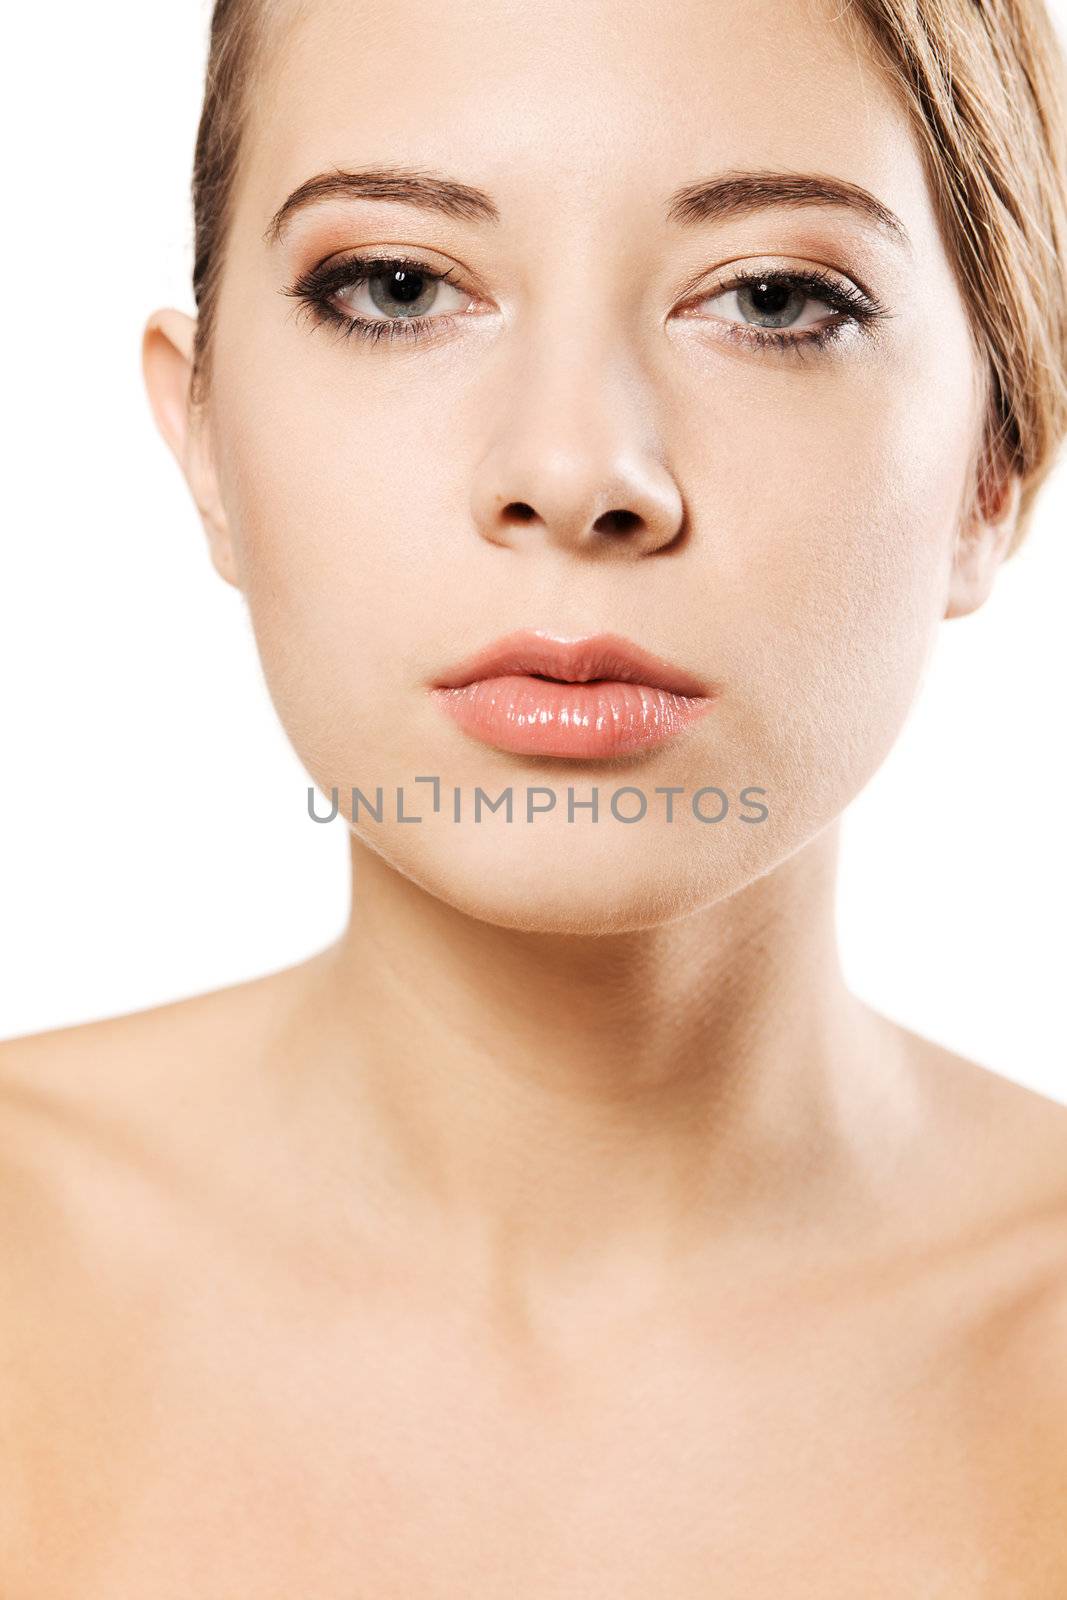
[(167, 364), (983, 540)]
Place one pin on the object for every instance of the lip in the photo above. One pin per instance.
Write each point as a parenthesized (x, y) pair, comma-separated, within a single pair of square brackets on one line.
[(599, 696), (601, 655)]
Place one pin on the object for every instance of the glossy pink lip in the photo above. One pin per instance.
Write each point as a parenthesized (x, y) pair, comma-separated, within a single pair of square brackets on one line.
[(602, 696)]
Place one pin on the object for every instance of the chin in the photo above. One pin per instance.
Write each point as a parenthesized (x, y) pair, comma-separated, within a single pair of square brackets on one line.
[(554, 877)]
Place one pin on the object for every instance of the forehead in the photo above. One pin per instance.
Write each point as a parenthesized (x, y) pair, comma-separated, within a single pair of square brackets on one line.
[(591, 106)]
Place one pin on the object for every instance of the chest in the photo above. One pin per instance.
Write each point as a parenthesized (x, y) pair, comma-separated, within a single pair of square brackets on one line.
[(220, 1455)]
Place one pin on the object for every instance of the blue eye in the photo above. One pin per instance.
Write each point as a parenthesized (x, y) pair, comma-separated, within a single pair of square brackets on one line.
[(411, 288), (395, 283), (779, 295)]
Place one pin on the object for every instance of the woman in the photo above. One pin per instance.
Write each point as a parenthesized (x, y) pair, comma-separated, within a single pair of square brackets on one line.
[(601, 406)]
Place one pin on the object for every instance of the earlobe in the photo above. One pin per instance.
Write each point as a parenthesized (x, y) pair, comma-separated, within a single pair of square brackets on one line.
[(983, 541), (167, 363)]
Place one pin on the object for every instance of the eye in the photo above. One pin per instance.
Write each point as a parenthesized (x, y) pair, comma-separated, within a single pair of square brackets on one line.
[(380, 296), (396, 288), (778, 309), (772, 304), (392, 297)]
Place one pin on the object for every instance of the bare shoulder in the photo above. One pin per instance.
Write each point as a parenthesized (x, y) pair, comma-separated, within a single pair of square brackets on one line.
[(113, 1138), (61, 1060), (1001, 1148), (97, 1118), (1009, 1137)]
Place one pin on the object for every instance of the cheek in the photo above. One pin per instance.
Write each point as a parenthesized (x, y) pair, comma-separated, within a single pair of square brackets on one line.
[(341, 513), (841, 575)]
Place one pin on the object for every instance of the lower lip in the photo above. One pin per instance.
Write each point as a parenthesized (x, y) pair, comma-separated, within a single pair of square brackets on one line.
[(539, 717)]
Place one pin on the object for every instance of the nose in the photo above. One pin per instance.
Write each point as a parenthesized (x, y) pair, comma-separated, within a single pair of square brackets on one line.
[(575, 460)]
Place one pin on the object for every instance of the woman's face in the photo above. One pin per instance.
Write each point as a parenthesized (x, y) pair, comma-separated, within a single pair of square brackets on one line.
[(391, 505)]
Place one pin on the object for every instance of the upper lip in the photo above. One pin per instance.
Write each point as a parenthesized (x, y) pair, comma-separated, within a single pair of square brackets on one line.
[(601, 655)]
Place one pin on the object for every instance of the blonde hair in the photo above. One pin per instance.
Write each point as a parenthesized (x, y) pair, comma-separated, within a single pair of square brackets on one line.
[(984, 86)]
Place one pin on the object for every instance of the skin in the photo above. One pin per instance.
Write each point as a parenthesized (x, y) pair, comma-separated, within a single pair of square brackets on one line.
[(567, 1226)]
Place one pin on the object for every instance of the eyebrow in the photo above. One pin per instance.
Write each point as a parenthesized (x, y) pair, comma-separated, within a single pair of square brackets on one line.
[(729, 194)]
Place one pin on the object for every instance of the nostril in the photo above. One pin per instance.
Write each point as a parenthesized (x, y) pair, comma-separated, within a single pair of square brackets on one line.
[(618, 521)]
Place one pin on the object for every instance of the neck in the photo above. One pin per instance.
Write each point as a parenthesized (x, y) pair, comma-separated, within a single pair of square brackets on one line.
[(541, 1104)]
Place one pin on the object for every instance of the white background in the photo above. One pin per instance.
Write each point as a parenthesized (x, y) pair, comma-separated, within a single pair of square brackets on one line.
[(155, 841)]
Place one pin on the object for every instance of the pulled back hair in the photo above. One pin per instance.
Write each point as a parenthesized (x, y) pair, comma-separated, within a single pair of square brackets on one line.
[(984, 86), (236, 47)]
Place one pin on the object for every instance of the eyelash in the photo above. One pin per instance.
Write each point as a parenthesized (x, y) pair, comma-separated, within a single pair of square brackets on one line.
[(315, 289)]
